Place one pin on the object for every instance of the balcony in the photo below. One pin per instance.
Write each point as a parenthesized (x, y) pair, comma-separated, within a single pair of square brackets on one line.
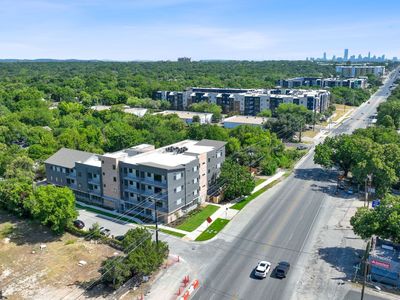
[(154, 182), (71, 175), (94, 181)]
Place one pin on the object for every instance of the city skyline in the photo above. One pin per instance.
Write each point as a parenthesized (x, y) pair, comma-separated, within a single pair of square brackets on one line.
[(167, 29), (348, 56)]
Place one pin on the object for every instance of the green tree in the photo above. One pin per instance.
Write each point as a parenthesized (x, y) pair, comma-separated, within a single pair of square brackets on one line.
[(52, 206), (383, 221), (14, 194), (237, 178), (266, 113)]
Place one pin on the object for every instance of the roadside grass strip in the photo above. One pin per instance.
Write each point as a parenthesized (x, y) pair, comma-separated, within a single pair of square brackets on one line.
[(166, 231), (196, 218), (212, 230), (250, 198)]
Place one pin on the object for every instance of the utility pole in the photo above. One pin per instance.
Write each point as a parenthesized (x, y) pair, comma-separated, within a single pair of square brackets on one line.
[(366, 191), (156, 219), (366, 255)]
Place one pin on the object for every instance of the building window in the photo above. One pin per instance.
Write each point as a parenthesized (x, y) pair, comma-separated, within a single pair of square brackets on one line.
[(209, 159), (157, 177), (58, 169), (114, 167), (209, 171), (102, 161), (218, 165), (115, 179), (104, 173), (179, 201), (148, 174), (130, 171), (79, 185), (63, 170), (178, 189), (178, 176), (148, 211), (79, 174), (195, 168), (195, 192), (149, 187), (131, 195), (219, 154), (195, 180), (104, 185)]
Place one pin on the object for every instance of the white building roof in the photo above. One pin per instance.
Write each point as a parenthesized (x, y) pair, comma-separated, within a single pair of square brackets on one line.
[(185, 114), (246, 120)]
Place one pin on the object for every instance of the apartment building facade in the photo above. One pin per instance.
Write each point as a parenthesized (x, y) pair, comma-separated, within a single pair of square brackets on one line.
[(249, 102), (297, 82), (359, 70), (141, 180)]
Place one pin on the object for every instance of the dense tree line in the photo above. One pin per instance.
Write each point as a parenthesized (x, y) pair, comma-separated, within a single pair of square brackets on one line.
[(389, 111), (113, 82)]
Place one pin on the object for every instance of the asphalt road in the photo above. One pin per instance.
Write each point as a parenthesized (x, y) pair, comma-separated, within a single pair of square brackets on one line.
[(278, 230)]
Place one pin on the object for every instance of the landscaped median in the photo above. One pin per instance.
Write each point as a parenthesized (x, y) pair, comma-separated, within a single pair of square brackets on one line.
[(213, 229), (196, 217)]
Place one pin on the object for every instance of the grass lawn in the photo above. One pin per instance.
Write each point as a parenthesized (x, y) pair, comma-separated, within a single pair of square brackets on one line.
[(310, 133), (197, 217), (170, 232), (108, 214), (213, 229), (247, 200), (259, 181), (341, 110)]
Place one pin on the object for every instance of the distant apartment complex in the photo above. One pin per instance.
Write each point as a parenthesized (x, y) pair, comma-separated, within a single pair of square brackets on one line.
[(359, 70), (353, 83), (141, 179), (246, 101)]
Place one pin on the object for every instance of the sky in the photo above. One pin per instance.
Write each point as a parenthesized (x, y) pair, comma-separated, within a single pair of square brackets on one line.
[(200, 29)]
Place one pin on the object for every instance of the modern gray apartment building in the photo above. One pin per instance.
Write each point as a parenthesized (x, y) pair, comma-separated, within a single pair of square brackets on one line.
[(247, 102), (140, 180)]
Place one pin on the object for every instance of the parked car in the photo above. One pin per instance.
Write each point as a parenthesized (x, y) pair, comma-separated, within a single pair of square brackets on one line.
[(105, 232), (262, 269), (119, 237), (282, 269), (301, 147), (79, 224)]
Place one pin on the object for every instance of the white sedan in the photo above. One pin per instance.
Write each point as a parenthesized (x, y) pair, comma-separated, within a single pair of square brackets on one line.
[(262, 269)]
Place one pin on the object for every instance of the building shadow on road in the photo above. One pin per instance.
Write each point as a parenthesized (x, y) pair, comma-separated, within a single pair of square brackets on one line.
[(343, 259)]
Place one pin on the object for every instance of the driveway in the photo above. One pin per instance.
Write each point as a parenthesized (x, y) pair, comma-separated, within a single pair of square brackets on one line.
[(116, 227)]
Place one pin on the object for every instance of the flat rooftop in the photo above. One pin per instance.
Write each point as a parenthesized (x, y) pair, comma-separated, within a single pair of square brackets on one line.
[(166, 157), (246, 120), (184, 114)]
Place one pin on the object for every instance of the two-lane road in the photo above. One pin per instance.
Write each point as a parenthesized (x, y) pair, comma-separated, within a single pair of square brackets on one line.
[(275, 227)]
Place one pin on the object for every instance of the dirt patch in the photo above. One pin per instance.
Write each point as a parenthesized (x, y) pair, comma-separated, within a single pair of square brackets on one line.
[(34, 263)]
